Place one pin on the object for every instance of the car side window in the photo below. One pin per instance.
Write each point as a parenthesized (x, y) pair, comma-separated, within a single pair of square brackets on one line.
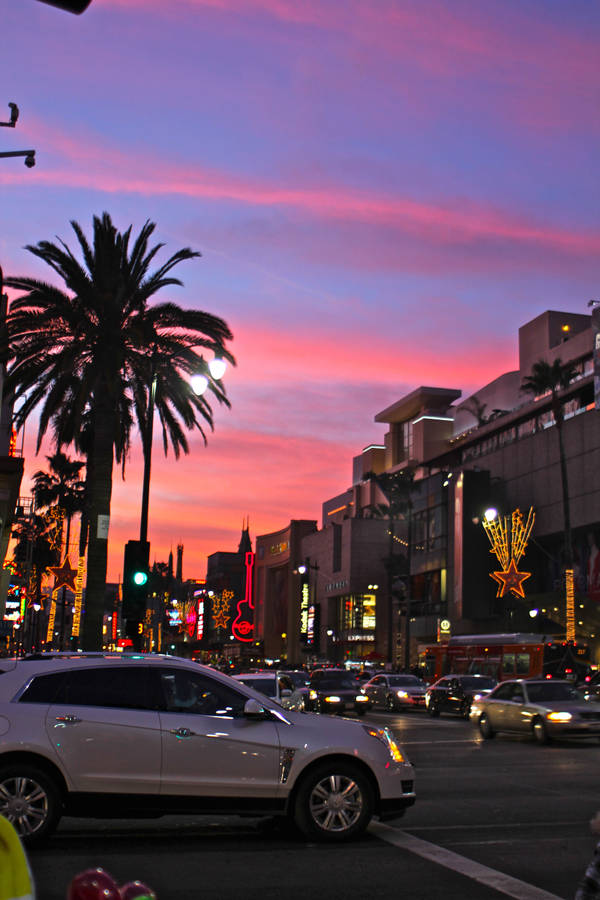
[(44, 688), (517, 696), (193, 692), (118, 687), (285, 684), (503, 692)]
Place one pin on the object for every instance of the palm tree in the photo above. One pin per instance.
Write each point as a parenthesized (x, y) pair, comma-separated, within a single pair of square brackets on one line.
[(84, 355), (61, 486), (552, 378)]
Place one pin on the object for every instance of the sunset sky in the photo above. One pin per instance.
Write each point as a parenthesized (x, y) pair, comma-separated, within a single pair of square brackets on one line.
[(382, 193)]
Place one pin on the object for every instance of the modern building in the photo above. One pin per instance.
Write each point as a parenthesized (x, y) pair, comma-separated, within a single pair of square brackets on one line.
[(369, 576)]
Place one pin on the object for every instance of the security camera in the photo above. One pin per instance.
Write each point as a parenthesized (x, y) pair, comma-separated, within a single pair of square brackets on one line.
[(30, 161)]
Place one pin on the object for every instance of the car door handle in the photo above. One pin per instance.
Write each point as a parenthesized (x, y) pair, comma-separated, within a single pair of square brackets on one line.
[(182, 732), (68, 720)]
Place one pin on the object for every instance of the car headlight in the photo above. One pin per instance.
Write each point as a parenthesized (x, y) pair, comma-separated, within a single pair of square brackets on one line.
[(478, 696), (559, 716), (386, 737), (361, 698), (312, 695), (403, 694), (332, 699)]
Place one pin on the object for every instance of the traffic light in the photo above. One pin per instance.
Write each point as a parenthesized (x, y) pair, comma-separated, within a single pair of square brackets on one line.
[(135, 579)]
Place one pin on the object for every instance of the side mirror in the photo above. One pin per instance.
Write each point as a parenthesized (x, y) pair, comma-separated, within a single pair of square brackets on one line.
[(253, 709)]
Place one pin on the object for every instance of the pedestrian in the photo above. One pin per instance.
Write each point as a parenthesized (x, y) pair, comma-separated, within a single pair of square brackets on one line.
[(589, 886)]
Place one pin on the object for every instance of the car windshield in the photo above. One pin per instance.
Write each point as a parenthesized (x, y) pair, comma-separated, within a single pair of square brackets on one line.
[(405, 681), (337, 681), (545, 691), (478, 683), (266, 686)]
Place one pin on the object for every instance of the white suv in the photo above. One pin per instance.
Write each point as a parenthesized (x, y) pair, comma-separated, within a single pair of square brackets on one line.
[(114, 736)]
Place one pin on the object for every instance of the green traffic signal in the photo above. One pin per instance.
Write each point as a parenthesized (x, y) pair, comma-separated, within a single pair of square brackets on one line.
[(140, 578)]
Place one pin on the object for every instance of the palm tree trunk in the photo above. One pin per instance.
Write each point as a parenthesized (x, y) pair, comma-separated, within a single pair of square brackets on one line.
[(100, 495)]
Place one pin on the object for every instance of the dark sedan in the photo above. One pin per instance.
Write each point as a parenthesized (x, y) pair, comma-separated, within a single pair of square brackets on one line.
[(336, 691), (456, 693), (396, 692)]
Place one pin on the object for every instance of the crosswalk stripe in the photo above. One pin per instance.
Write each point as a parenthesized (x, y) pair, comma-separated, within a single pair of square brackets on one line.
[(506, 884)]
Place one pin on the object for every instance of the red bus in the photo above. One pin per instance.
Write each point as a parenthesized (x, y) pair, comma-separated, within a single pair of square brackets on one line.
[(504, 656)]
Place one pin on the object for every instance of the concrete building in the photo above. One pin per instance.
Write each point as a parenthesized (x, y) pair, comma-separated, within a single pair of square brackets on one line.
[(498, 448)]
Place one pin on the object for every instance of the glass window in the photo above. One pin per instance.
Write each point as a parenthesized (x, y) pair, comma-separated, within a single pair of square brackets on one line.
[(119, 687), (508, 664), (522, 660), (193, 692), (44, 688), (503, 692), (266, 686)]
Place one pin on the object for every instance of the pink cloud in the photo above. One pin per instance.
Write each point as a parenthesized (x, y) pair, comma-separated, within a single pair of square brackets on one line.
[(548, 70), (103, 167)]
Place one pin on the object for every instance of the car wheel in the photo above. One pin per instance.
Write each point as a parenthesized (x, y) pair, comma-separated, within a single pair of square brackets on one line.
[(30, 800), (465, 709), (485, 728), (540, 732), (334, 802), (389, 702), (433, 709)]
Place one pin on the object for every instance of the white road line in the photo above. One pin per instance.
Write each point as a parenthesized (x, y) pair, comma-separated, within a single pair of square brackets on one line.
[(512, 887), (436, 743)]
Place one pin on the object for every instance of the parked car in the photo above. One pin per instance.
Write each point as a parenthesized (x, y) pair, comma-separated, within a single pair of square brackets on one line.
[(126, 736), (276, 685), (455, 693), (336, 691), (543, 709), (396, 692)]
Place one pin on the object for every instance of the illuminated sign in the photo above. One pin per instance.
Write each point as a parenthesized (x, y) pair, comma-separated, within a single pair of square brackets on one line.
[(304, 609), (242, 627), (79, 599), (200, 620), (220, 609), (282, 547), (570, 605), (508, 539)]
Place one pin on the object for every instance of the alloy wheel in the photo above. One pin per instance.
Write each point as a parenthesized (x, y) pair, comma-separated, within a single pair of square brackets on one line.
[(25, 803)]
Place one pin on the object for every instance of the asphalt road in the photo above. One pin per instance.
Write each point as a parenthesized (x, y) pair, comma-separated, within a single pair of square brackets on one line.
[(494, 819)]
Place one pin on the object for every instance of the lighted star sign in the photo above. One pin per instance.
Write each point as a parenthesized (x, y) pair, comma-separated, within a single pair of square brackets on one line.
[(508, 541), (64, 574), (220, 609)]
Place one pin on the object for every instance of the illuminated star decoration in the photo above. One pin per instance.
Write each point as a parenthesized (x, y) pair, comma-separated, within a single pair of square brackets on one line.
[(220, 608), (508, 545), (64, 574), (510, 580)]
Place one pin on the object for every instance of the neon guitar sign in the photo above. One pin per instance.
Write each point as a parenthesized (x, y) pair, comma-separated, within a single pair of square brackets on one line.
[(242, 627)]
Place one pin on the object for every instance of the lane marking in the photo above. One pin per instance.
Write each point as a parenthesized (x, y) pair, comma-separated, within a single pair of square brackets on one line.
[(506, 884), (478, 826)]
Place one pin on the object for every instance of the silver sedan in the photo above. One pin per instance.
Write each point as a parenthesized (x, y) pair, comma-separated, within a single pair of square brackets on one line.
[(543, 709)]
